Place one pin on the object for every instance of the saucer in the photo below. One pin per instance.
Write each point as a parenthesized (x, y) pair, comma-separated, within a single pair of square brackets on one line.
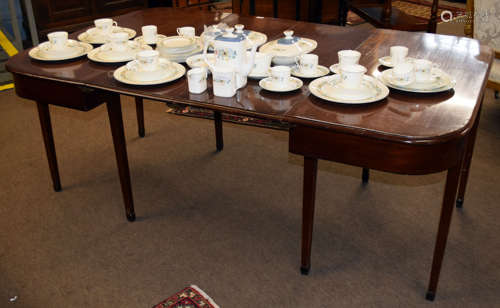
[(259, 75), (123, 75), (75, 50), (387, 61), (199, 61), (111, 56), (159, 38), (335, 68), (441, 82), (292, 85), (320, 72), (330, 88), (90, 36)]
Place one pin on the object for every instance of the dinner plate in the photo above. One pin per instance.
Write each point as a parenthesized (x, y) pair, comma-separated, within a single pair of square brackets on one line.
[(292, 85), (109, 56), (81, 49), (120, 74), (320, 72), (87, 37), (330, 89), (441, 82), (159, 37), (386, 61)]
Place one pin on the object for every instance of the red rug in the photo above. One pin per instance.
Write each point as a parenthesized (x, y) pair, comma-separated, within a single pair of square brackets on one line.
[(189, 297)]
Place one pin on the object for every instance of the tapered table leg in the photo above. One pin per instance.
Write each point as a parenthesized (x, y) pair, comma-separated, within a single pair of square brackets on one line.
[(219, 139), (139, 108), (309, 195), (450, 190), (116, 123), (48, 139), (365, 175), (464, 174)]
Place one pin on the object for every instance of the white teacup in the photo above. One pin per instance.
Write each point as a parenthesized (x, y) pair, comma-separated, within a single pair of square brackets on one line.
[(105, 25), (197, 80), (261, 64), (280, 75), (188, 32), (423, 70), (403, 73), (58, 40), (348, 57), (147, 60), (307, 63), (398, 54), (224, 81), (118, 41), (149, 34), (352, 75)]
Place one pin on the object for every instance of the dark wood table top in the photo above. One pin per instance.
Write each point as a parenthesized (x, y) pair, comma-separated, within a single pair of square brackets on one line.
[(402, 117)]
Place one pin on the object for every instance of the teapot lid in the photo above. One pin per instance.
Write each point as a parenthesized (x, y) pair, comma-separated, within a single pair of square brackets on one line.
[(229, 36), (289, 39)]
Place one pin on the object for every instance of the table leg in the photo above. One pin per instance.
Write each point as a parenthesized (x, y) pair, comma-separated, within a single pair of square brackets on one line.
[(116, 123), (309, 194), (365, 175), (139, 108), (450, 190), (219, 139), (48, 139), (464, 174)]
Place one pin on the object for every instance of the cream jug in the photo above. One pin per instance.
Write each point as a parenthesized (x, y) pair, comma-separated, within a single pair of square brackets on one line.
[(230, 51)]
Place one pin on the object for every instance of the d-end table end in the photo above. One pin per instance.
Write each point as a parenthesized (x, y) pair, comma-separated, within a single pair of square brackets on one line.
[(460, 203), (430, 296), (57, 187)]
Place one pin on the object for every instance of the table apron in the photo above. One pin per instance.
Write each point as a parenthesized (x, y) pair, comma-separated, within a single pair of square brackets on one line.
[(378, 154), (68, 95)]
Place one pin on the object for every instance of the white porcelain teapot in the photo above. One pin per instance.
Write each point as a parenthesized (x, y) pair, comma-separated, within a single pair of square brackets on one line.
[(230, 51)]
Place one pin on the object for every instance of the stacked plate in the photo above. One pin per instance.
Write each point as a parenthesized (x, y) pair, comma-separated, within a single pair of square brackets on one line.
[(439, 82), (179, 48)]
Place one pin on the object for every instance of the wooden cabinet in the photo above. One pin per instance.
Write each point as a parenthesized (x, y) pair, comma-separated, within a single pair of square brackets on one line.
[(70, 15), (322, 11)]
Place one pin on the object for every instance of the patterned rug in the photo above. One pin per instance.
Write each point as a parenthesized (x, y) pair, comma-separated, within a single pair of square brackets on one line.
[(189, 297)]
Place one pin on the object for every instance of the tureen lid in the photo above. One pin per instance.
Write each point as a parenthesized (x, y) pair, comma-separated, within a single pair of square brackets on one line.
[(289, 46), (230, 36)]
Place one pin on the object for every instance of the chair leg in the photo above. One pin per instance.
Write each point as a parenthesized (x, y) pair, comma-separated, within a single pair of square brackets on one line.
[(48, 139), (139, 108), (219, 139)]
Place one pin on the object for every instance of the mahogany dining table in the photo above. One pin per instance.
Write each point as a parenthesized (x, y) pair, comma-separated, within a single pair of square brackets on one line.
[(406, 133)]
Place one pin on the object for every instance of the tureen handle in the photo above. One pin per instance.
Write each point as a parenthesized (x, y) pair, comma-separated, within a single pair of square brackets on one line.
[(239, 28), (288, 34)]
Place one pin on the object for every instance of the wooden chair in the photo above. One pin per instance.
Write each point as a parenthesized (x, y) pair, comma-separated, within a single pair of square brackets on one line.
[(381, 14), (483, 25)]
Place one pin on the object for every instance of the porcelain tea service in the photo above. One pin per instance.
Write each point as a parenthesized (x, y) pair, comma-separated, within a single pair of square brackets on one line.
[(104, 27), (149, 69), (346, 57), (59, 47), (197, 80), (261, 66), (398, 54), (118, 49), (149, 35), (286, 50), (307, 67), (230, 54), (280, 80)]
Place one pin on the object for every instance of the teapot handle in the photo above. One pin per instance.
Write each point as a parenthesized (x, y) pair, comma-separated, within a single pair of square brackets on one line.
[(205, 49)]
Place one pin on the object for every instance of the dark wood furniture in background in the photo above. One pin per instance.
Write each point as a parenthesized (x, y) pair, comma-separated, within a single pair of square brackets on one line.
[(405, 133), (381, 14), (71, 15), (320, 11)]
